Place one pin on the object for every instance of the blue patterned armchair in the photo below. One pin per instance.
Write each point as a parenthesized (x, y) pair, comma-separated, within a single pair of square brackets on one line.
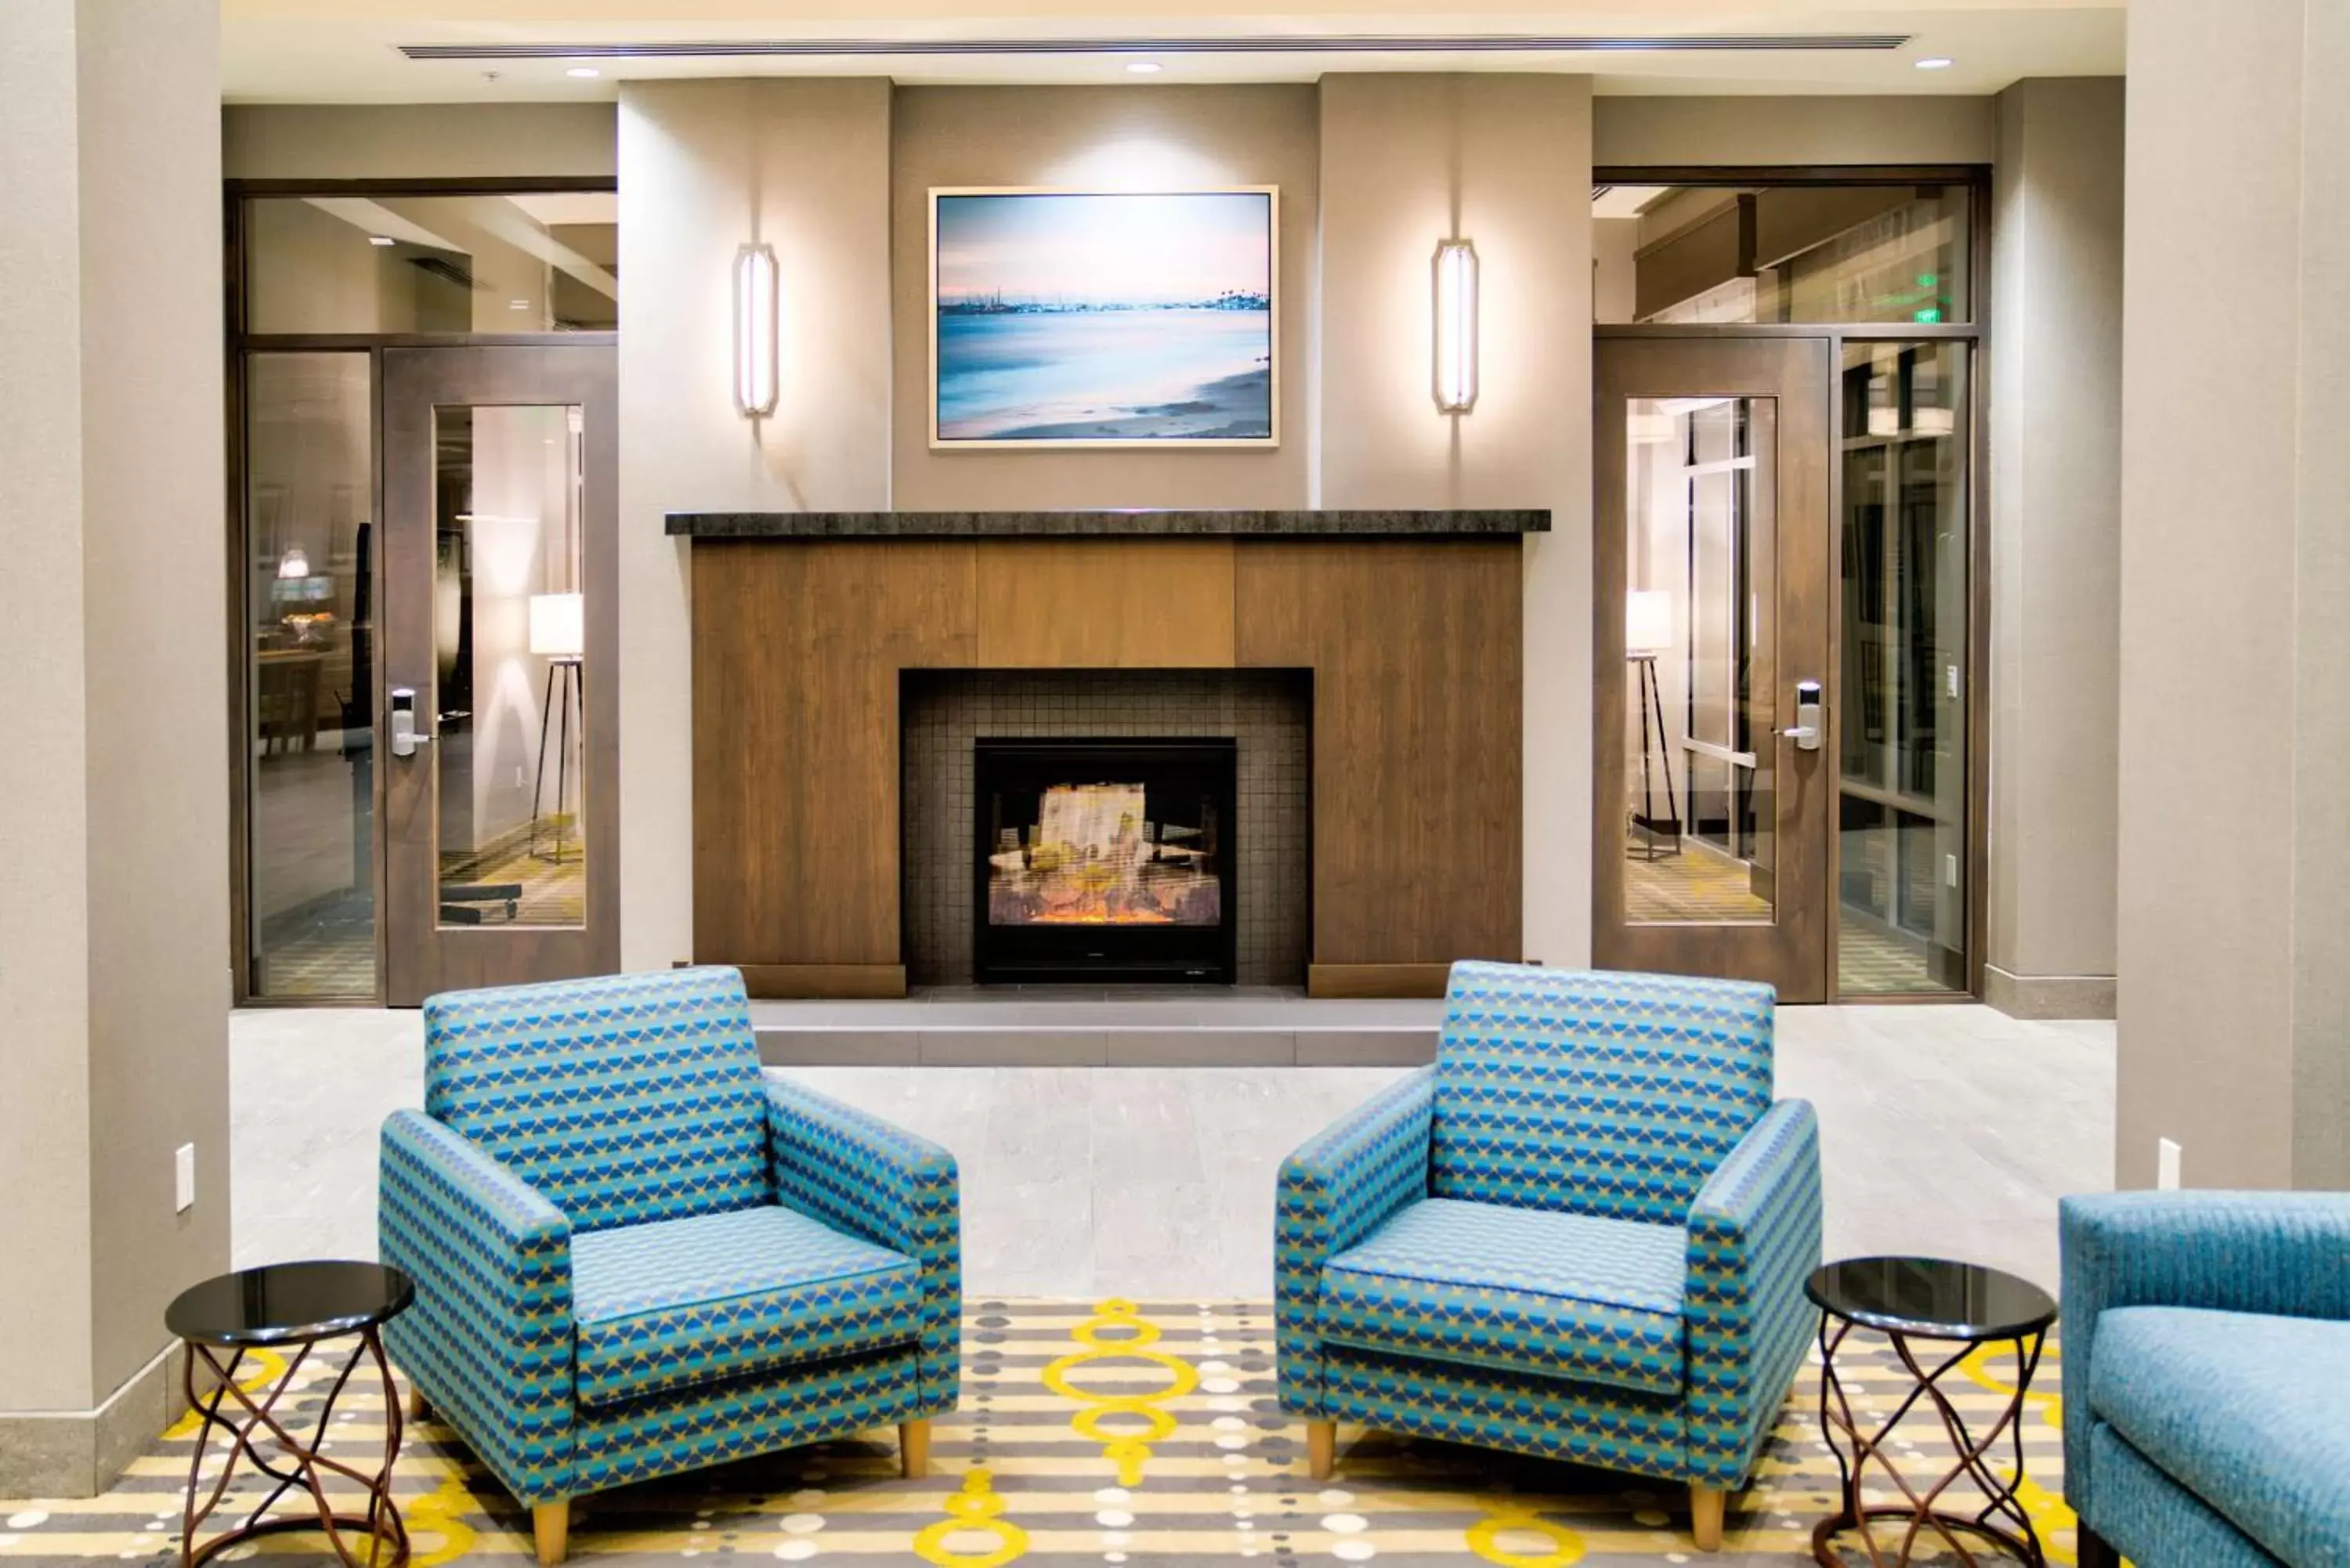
[(634, 1255), (1583, 1234), (2206, 1377)]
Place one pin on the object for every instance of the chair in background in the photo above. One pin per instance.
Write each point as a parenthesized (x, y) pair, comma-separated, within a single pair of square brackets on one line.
[(2206, 1377), (634, 1255), (1582, 1234)]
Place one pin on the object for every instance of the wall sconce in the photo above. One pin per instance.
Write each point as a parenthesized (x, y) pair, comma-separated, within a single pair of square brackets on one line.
[(1456, 326), (754, 331)]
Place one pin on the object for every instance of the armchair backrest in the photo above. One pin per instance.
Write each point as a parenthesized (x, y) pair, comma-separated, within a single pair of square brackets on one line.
[(1595, 1092), (623, 1100)]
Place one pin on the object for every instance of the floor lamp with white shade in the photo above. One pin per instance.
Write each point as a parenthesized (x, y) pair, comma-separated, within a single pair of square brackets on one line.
[(1647, 632)]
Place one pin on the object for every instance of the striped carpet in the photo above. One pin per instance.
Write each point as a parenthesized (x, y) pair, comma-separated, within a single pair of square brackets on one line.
[(1098, 1433)]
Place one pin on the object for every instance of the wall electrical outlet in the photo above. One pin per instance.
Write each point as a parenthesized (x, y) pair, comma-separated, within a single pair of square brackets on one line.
[(184, 1178), (1951, 681), (1950, 869), (2166, 1165)]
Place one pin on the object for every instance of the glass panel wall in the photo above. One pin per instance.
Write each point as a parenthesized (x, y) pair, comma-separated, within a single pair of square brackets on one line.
[(1902, 789), (543, 262), (309, 466), (509, 655), (1700, 632), (1805, 254)]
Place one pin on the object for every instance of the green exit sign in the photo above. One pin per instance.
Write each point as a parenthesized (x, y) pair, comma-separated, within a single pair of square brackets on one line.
[(1930, 316)]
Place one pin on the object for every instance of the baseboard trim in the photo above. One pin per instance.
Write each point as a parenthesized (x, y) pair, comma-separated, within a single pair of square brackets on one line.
[(826, 981), (80, 1453), (1377, 979), (2049, 996)]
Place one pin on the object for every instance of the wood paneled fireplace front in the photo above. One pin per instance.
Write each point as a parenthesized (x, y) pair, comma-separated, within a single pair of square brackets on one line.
[(803, 646)]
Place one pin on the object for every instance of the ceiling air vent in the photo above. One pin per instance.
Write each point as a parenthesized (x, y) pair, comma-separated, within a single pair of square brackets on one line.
[(1325, 44)]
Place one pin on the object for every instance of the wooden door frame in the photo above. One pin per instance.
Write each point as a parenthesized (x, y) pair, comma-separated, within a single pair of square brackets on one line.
[(238, 342), (1797, 952), (420, 956)]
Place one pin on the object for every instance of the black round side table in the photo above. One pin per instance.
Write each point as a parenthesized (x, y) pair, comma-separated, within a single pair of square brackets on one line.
[(294, 1306), (1945, 1304)]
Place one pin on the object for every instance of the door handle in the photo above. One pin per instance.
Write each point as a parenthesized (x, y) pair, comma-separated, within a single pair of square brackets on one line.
[(1810, 724), (405, 737)]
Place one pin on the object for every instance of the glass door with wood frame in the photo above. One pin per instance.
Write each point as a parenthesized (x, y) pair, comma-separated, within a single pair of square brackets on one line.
[(1712, 565), (498, 744)]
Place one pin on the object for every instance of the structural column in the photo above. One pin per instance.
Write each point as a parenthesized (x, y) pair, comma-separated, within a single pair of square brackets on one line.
[(114, 863), (1504, 162), (2234, 927), (2056, 557)]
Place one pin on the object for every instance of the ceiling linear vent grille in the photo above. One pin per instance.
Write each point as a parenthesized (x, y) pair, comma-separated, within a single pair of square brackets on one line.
[(1327, 44)]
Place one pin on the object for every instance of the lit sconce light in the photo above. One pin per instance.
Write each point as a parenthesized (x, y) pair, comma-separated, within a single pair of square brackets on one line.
[(754, 331), (1456, 326)]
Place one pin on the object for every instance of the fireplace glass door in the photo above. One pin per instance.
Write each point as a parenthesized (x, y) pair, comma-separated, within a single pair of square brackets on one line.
[(1103, 861)]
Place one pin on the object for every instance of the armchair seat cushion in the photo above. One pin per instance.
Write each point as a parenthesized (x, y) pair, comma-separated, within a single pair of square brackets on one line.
[(2248, 1412), (681, 1302), (1561, 1295)]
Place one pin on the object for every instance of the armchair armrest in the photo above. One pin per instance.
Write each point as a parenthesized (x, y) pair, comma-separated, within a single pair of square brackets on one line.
[(489, 1339), (2284, 1253), (1753, 1240), (1336, 1188), (859, 1173)]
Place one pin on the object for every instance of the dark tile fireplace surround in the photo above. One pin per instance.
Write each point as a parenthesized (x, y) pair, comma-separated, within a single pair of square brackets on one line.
[(952, 717)]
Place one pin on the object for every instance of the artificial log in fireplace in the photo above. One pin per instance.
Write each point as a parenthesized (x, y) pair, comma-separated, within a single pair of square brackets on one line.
[(1103, 860)]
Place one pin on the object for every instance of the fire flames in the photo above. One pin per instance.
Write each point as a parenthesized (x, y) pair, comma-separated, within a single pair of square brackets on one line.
[(1093, 859)]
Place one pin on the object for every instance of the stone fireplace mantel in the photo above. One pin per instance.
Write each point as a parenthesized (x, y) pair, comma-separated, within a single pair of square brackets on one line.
[(1135, 523)]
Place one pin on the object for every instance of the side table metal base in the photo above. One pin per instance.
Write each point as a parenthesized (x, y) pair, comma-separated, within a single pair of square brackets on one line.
[(1922, 1514), (295, 1464)]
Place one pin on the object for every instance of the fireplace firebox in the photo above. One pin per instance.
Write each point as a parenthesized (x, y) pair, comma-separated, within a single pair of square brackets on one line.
[(1103, 860)]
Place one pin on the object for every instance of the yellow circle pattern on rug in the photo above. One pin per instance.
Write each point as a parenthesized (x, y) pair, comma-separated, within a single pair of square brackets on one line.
[(973, 1510), (1486, 1537), (1128, 1450)]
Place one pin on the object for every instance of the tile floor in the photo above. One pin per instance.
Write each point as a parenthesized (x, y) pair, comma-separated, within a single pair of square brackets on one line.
[(1947, 1129)]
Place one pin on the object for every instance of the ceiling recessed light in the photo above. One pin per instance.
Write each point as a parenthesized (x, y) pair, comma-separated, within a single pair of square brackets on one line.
[(583, 72), (1144, 67), (381, 240), (1936, 63)]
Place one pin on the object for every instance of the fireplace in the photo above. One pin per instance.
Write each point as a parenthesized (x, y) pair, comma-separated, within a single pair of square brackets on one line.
[(1103, 860)]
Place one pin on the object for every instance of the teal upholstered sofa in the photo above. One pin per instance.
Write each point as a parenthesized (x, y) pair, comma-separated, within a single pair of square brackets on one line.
[(2207, 1379), (1583, 1233), (633, 1255)]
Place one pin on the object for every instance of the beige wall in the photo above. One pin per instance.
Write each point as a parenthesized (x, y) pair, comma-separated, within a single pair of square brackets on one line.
[(113, 897), (2055, 518), (1504, 161), (1150, 136), (413, 141), (1686, 132), (44, 1168), (706, 167), (2234, 940)]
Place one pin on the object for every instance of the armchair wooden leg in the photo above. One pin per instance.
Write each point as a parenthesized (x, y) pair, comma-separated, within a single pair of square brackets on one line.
[(2093, 1550), (914, 1449), (418, 1410), (1321, 1448), (551, 1523), (1706, 1503)]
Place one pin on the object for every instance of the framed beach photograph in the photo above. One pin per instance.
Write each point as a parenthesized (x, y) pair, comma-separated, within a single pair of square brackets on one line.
[(1105, 318)]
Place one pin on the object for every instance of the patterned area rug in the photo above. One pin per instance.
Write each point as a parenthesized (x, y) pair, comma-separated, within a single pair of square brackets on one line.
[(1104, 1433)]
